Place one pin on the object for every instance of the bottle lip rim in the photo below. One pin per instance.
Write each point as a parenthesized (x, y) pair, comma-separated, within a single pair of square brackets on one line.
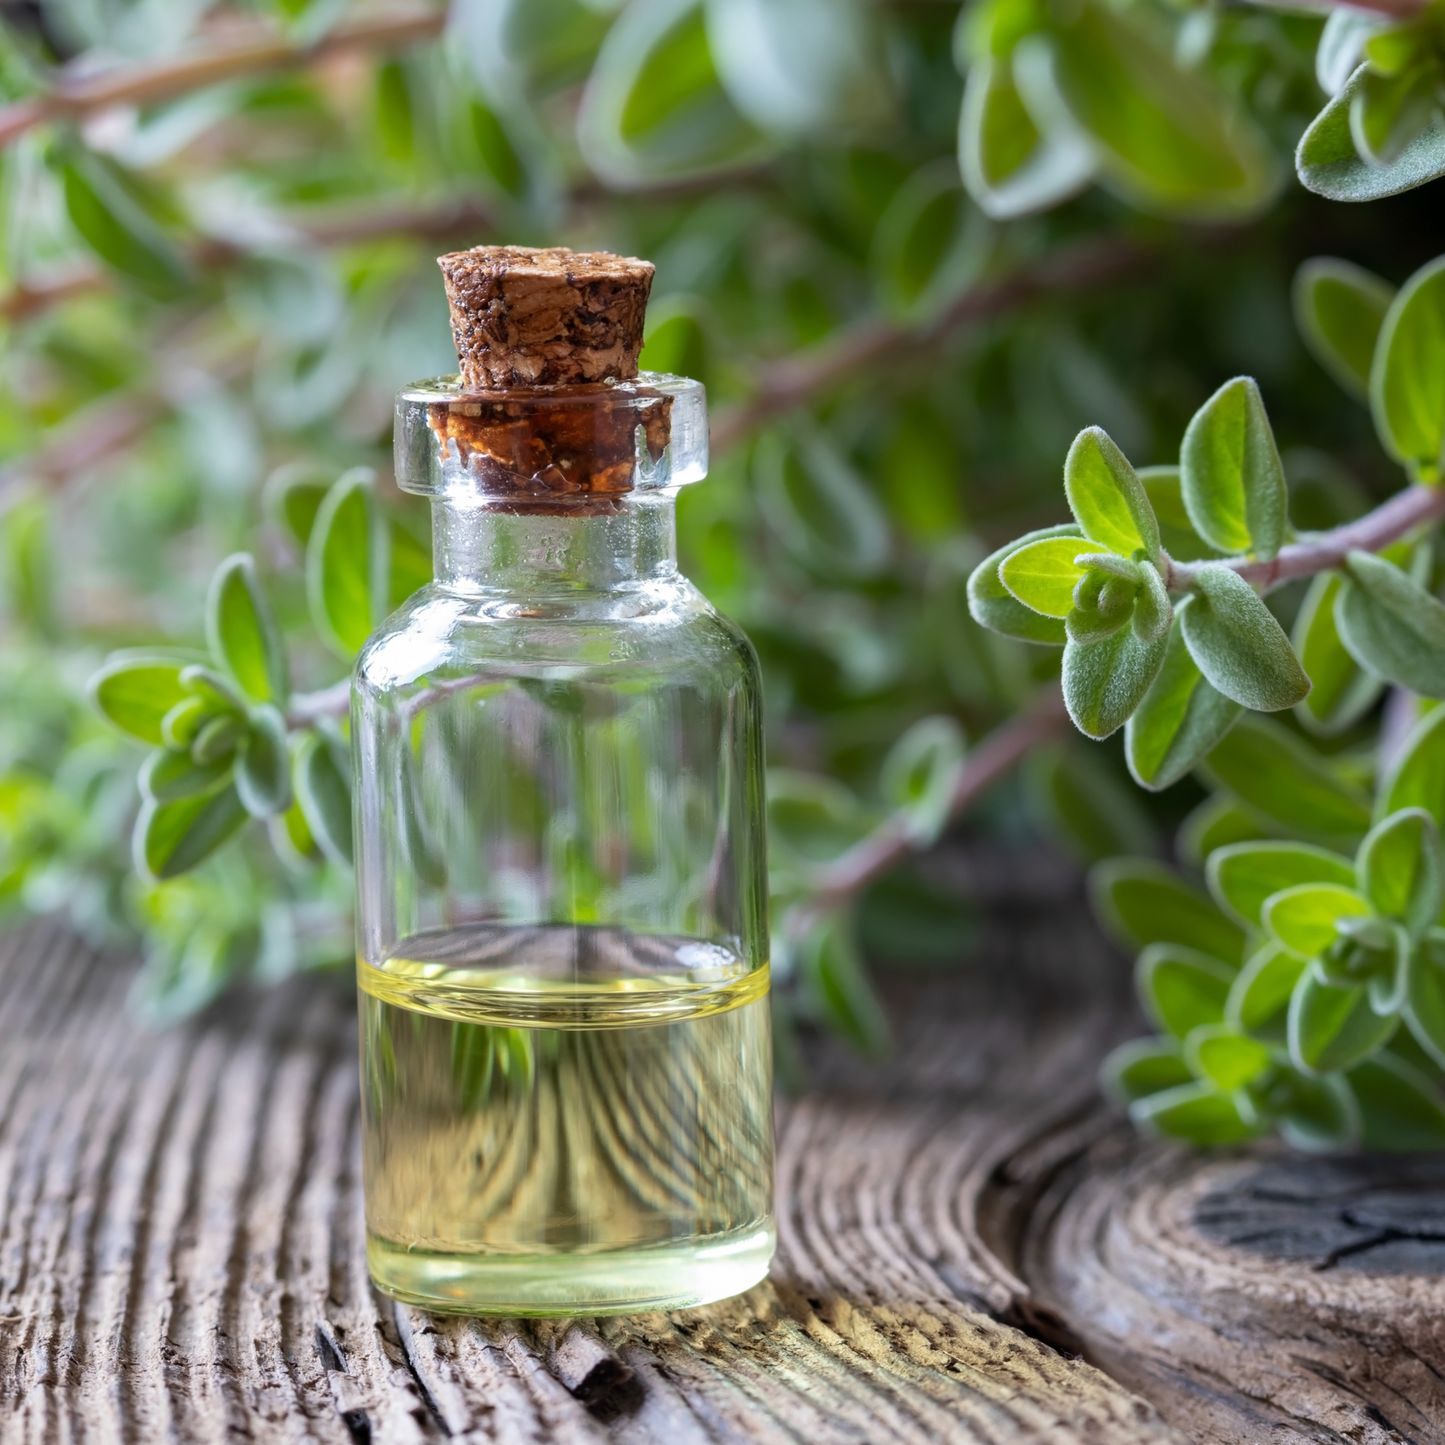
[(645, 387)]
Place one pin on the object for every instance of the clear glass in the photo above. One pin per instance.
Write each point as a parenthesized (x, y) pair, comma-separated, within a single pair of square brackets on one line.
[(562, 911)]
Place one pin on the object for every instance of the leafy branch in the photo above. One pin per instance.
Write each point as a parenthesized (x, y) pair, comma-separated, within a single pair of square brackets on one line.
[(249, 49)]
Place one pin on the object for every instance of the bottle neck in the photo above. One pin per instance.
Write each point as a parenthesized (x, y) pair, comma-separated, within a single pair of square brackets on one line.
[(476, 547)]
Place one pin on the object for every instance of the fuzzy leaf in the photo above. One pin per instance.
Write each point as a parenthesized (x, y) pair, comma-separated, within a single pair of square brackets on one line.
[(1181, 719), (1181, 988), (1302, 918), (172, 838), (1341, 691), (1238, 645), (1107, 498), (114, 224), (1224, 1056), (1142, 902), (1425, 995), (992, 605), (1105, 681), (1243, 875), (343, 564), (1387, 112), (1401, 1109), (242, 632), (217, 739), (1391, 625), (1339, 308), (180, 726), (1196, 1113), (920, 776), (1216, 823), (1329, 164), (1143, 1067), (323, 789), (1319, 1114), (1164, 136), (1230, 473), (1043, 575), (1416, 778), (1261, 990), (263, 764), (135, 690), (1009, 166), (1401, 869), (167, 775), (1333, 1026), (1277, 778), (1407, 378), (1096, 814), (1153, 611)]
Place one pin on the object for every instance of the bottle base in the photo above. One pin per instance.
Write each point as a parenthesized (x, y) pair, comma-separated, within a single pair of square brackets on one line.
[(659, 1277)]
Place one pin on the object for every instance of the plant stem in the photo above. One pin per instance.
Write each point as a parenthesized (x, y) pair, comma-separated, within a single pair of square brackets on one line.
[(248, 49), (309, 708), (1007, 745), (795, 380), (1415, 507)]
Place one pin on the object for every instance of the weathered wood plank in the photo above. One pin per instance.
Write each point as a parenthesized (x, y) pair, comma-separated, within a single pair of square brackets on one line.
[(181, 1247)]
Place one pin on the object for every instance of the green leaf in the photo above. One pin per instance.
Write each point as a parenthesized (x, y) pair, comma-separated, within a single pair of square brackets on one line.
[(1340, 308), (183, 723), (811, 818), (242, 632), (1237, 644), (1401, 1110), (677, 342), (218, 694), (1230, 473), (134, 690), (1243, 875), (835, 975), (1387, 112), (1216, 823), (1341, 691), (293, 496), (1043, 575), (1105, 681), (1318, 1114), (1416, 777), (1391, 625), (1224, 1056), (1407, 378), (1143, 1067), (1165, 491), (1107, 498), (1330, 165), (1332, 1026), (217, 739), (344, 563), (1302, 918), (1261, 990), (1196, 1113), (263, 764), (1141, 902), (1342, 44), (654, 109), (1166, 138), (166, 776), (114, 225), (1401, 869), (1181, 719), (323, 789), (1425, 995), (172, 838), (1010, 167), (992, 605), (1182, 988), (920, 777), (1277, 778)]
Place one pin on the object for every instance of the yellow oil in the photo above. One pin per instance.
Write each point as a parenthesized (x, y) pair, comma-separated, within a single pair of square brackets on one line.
[(565, 1120)]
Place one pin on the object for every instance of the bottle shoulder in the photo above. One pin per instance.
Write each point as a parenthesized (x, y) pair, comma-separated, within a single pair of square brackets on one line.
[(661, 626)]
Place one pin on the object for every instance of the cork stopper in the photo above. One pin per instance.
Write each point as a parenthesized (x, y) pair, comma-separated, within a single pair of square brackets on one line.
[(525, 316)]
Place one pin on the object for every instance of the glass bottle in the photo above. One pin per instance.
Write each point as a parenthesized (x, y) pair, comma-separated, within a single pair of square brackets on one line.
[(561, 872)]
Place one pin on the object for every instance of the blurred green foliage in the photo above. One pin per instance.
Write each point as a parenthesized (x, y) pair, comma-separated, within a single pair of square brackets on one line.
[(911, 249)]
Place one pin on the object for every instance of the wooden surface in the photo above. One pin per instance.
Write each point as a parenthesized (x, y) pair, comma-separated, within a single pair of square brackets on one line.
[(180, 1242)]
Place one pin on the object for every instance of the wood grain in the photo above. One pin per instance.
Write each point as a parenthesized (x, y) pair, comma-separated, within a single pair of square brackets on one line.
[(181, 1249)]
